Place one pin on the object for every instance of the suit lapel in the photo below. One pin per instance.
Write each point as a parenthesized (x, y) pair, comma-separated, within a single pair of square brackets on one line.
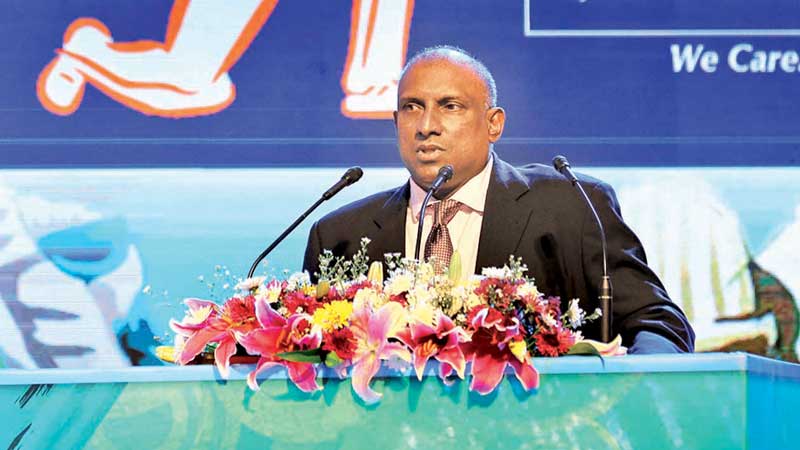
[(504, 220), (390, 220)]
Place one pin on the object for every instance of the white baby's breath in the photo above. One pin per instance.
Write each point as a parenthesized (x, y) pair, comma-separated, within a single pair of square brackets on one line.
[(496, 272), (298, 279)]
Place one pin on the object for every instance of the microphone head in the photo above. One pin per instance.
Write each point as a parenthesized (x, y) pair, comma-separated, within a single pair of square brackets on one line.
[(446, 172), (352, 175), (560, 163)]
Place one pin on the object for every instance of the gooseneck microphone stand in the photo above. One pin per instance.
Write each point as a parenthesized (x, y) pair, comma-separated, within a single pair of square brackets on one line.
[(606, 292), (444, 175), (352, 175)]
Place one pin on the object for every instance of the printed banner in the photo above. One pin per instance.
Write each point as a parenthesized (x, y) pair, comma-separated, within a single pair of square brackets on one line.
[(96, 262), (268, 83)]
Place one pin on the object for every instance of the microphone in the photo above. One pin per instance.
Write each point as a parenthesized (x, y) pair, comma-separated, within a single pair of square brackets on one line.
[(561, 164), (444, 175), (352, 175)]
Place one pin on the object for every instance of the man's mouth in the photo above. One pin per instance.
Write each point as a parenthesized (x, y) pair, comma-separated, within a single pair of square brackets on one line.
[(428, 151)]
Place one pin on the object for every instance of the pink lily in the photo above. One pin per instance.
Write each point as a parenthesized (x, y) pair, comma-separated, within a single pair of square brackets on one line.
[(278, 335), (441, 343), (496, 343), (207, 322), (372, 332)]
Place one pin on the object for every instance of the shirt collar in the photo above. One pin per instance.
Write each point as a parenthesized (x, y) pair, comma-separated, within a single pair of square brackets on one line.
[(472, 193)]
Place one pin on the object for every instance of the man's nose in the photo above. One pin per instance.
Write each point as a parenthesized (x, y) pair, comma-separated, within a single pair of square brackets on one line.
[(429, 123)]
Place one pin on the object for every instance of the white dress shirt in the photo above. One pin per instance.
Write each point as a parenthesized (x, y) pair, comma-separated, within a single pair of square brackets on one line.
[(464, 228)]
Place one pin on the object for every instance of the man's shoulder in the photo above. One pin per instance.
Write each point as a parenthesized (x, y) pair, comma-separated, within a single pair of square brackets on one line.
[(546, 184), (362, 208), (541, 175)]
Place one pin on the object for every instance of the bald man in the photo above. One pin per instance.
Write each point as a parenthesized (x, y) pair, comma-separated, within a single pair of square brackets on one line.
[(447, 113)]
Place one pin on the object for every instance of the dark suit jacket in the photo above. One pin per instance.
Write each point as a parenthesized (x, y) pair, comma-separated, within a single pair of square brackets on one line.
[(535, 213)]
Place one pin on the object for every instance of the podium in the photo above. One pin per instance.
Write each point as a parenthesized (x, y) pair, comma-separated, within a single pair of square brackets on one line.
[(633, 402)]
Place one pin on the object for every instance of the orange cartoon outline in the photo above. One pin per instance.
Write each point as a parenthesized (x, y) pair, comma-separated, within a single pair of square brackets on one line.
[(165, 79), (352, 55), (78, 69)]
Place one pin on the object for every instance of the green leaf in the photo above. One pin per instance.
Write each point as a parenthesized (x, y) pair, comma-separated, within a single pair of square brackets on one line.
[(583, 348), (303, 356), (332, 360)]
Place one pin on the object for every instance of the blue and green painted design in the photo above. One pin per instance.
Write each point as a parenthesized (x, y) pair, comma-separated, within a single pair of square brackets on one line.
[(690, 401)]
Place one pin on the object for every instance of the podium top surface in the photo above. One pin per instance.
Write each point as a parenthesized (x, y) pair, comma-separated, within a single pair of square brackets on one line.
[(699, 362)]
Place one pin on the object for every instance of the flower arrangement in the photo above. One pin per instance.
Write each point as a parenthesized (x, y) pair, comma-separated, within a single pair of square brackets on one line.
[(355, 320)]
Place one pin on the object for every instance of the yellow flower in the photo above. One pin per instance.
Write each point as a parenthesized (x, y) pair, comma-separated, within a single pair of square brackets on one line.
[(518, 349), (309, 289), (333, 315), (166, 353)]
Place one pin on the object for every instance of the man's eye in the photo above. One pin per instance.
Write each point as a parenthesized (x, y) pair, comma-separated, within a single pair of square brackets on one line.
[(410, 107), (452, 106)]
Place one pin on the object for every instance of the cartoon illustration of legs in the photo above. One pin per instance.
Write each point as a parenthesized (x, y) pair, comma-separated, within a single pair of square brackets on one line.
[(187, 74), (184, 76), (376, 54)]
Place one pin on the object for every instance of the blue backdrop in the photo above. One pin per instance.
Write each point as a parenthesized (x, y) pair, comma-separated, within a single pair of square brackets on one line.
[(600, 99)]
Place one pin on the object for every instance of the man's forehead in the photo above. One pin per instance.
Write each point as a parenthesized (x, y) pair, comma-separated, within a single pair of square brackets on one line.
[(438, 63), (437, 74)]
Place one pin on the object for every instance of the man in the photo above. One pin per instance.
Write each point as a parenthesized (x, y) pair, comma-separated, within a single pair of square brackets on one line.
[(447, 114)]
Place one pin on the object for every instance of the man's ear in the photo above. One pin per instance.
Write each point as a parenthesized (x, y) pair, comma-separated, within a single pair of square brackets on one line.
[(497, 120)]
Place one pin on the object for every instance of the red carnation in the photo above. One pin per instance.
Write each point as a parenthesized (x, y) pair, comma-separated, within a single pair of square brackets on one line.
[(340, 341), (500, 292), (297, 299), (239, 310), (554, 341), (350, 292)]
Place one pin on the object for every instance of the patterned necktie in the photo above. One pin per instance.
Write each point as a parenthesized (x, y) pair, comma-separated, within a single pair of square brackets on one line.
[(439, 244)]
